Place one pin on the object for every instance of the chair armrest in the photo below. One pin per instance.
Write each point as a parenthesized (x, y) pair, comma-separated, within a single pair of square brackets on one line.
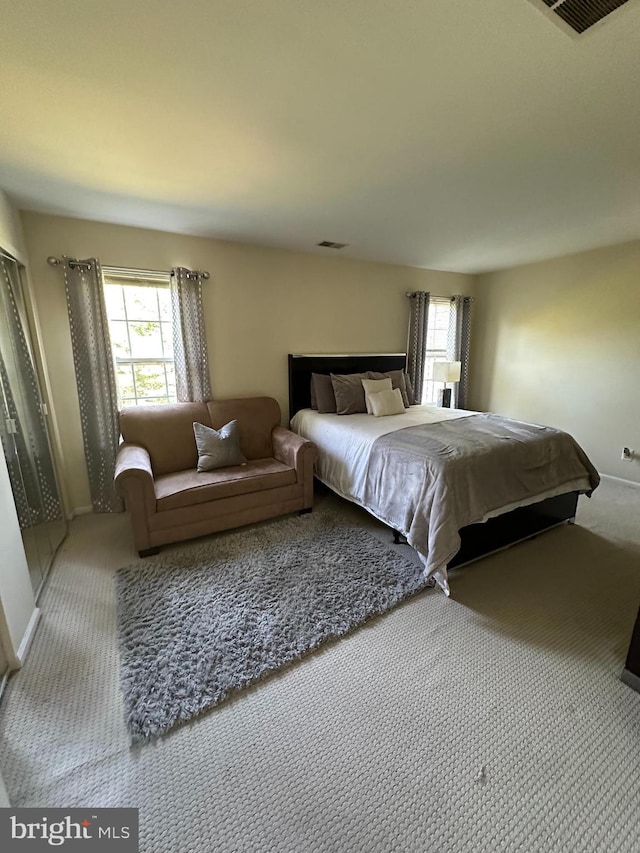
[(292, 449), (299, 453), (132, 461), (134, 482)]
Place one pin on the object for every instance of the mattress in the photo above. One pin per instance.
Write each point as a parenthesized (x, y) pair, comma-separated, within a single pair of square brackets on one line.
[(431, 471)]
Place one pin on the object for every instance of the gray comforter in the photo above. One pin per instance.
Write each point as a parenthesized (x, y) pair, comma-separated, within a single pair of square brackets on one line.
[(431, 480)]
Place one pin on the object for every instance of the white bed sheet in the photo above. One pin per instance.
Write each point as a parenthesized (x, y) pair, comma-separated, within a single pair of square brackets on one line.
[(344, 442)]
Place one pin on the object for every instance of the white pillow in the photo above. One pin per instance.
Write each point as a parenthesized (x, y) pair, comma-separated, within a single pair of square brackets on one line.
[(374, 386), (387, 403)]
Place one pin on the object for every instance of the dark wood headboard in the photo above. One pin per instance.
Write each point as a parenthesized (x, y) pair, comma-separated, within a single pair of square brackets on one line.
[(302, 366)]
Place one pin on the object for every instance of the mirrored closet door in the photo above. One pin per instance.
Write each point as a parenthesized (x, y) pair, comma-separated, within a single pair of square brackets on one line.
[(23, 431)]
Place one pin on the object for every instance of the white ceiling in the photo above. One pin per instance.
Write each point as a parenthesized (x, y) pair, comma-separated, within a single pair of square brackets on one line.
[(452, 134)]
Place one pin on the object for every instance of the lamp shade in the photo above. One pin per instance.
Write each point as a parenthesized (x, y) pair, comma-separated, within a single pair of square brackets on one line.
[(447, 371)]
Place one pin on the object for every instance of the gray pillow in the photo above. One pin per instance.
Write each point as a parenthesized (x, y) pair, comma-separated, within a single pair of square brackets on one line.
[(397, 378), (218, 448), (323, 393), (349, 392)]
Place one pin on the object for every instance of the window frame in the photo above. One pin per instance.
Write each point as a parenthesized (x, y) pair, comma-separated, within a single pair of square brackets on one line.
[(158, 280), (433, 354)]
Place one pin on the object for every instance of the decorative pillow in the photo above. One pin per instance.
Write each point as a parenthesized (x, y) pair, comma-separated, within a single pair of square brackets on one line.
[(397, 381), (349, 392), (218, 448), (322, 390), (411, 397), (387, 403), (373, 386), (314, 402)]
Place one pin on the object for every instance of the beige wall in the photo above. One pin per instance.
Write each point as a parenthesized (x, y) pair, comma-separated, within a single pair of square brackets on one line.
[(260, 304), (558, 343)]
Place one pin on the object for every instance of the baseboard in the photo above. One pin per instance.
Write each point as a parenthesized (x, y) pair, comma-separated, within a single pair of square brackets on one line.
[(620, 480), (630, 679), (80, 510), (29, 634)]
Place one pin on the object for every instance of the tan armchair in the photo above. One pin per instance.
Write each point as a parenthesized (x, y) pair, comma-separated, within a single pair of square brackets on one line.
[(169, 500)]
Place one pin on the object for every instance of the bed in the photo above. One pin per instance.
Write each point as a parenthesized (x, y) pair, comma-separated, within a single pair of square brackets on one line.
[(457, 484)]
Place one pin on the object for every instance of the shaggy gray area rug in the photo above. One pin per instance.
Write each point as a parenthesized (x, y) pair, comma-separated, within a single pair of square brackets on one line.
[(199, 623)]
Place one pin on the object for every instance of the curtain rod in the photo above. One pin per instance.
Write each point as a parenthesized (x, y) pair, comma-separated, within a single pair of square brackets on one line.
[(56, 262), (201, 273), (73, 263), (411, 294)]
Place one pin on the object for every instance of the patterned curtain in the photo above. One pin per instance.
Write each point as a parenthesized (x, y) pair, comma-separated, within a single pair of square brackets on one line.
[(95, 378), (23, 430), (458, 345), (417, 340), (193, 384)]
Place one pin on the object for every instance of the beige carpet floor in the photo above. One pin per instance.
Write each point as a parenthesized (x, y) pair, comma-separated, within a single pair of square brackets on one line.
[(492, 721)]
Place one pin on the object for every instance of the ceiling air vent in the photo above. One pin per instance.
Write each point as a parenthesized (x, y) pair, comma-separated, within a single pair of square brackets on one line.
[(329, 244), (580, 15)]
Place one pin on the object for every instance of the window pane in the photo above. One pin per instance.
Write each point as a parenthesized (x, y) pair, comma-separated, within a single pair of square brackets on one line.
[(124, 381), (167, 339), (146, 341), (164, 299), (439, 339), (442, 315), (151, 401), (431, 389), (114, 301), (438, 328), (150, 381), (119, 338), (142, 303), (171, 382)]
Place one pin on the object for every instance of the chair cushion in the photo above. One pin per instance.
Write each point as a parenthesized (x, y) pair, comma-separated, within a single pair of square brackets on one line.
[(186, 488), (166, 432), (257, 417)]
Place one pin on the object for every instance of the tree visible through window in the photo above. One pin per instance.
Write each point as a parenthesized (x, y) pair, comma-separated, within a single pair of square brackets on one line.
[(436, 346), (141, 329)]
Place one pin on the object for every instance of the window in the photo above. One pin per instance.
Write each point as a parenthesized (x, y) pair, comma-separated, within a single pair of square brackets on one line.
[(436, 347), (141, 330)]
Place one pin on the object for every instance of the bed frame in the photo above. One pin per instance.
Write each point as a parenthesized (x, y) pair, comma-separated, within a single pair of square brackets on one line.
[(478, 540)]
